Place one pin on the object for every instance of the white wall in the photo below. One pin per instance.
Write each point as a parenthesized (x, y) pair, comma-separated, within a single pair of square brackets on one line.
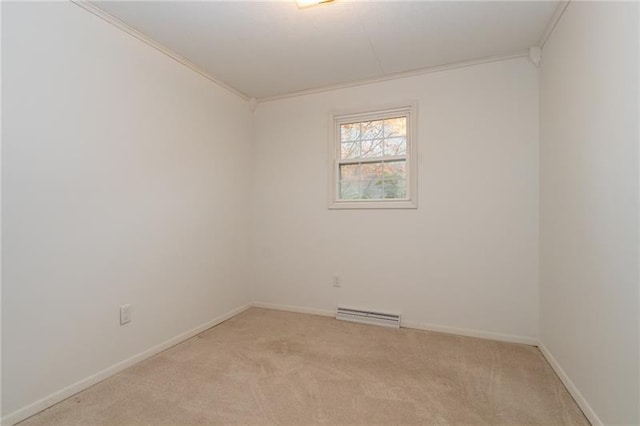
[(124, 181), (589, 205), (466, 258)]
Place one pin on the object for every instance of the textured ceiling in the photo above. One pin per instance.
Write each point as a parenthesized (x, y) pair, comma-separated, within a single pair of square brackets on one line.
[(266, 49)]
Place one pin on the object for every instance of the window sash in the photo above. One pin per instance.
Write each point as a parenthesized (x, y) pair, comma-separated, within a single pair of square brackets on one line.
[(372, 160)]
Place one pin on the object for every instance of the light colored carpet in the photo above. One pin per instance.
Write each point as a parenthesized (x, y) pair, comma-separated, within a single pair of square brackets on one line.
[(271, 367)]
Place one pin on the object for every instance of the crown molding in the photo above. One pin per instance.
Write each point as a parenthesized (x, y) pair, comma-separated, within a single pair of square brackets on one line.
[(396, 76), (551, 25), (95, 10)]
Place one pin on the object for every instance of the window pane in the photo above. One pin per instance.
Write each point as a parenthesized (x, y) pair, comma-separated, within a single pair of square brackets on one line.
[(372, 180), (395, 189), (350, 172), (349, 150), (371, 171), (395, 179), (395, 127), (372, 149), (349, 132), (395, 146), (372, 129), (372, 189), (395, 169), (350, 190)]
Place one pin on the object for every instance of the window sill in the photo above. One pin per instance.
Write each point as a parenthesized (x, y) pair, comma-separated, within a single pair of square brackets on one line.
[(373, 204)]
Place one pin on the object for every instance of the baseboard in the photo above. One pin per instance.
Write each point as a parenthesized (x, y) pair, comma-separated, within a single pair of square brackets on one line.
[(469, 332), (54, 398), (412, 324), (298, 309), (573, 390)]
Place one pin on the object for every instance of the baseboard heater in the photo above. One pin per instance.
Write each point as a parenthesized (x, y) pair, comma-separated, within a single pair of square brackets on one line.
[(369, 317)]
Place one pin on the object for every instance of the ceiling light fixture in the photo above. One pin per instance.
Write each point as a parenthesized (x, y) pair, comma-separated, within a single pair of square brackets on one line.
[(307, 3)]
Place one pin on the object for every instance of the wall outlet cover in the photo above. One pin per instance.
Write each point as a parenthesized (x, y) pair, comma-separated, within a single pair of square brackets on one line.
[(125, 314)]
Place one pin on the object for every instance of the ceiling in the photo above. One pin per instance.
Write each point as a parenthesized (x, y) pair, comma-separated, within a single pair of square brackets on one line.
[(266, 49)]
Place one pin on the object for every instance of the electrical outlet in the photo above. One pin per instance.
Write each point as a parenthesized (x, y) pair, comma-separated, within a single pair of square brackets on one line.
[(336, 281), (125, 314)]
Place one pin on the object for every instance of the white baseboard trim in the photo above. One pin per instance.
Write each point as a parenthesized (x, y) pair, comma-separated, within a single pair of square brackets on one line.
[(298, 309), (62, 394), (469, 332), (412, 324), (573, 390)]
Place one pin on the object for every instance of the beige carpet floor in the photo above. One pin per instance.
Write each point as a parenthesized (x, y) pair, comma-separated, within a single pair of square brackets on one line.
[(271, 367)]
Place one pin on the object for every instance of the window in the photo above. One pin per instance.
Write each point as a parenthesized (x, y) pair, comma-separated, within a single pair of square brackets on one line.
[(373, 159)]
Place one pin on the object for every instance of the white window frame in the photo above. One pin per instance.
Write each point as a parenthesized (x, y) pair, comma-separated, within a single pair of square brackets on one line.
[(405, 109)]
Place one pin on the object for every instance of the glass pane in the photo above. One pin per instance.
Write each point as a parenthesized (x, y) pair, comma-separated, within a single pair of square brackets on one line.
[(371, 171), (372, 149), (395, 127), (395, 169), (394, 177), (395, 146), (395, 189), (372, 186), (350, 172), (372, 189), (349, 150), (372, 129), (350, 190), (350, 132)]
